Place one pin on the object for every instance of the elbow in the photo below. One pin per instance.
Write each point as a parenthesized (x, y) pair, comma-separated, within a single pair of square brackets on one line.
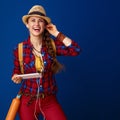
[(78, 51), (75, 51)]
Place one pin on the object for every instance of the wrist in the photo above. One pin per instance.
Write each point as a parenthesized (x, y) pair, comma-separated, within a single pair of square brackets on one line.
[(60, 37), (56, 33)]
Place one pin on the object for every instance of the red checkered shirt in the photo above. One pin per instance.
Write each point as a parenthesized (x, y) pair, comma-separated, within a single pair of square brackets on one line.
[(46, 84)]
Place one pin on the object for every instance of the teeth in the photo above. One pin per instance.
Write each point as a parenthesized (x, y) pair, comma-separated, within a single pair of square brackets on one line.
[(36, 29)]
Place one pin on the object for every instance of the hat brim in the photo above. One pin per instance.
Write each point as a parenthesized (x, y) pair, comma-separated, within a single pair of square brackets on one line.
[(25, 18)]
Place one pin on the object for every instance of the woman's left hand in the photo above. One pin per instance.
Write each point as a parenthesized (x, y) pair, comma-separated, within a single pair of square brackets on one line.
[(51, 28)]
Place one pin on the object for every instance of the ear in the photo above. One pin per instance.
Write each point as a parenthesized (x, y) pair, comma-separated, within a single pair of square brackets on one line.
[(27, 26)]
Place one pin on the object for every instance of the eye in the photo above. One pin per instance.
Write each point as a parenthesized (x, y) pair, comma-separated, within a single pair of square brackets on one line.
[(41, 20), (33, 20)]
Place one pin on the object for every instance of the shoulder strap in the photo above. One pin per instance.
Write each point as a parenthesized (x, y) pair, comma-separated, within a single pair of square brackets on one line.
[(20, 56), (53, 44), (20, 53)]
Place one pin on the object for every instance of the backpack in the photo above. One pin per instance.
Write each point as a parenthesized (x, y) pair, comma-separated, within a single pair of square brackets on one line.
[(20, 53)]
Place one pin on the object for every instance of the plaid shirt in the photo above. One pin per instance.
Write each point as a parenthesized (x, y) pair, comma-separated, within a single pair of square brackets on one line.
[(47, 83)]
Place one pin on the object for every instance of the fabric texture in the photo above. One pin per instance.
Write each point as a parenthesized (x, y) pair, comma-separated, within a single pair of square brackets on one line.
[(47, 83), (48, 107)]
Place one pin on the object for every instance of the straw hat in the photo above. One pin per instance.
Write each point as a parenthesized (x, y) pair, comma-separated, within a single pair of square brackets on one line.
[(37, 11)]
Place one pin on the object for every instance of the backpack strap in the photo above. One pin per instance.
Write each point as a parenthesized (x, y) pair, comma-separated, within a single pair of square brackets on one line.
[(20, 56), (20, 53)]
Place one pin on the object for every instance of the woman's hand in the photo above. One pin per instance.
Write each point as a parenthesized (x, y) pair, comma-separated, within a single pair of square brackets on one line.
[(16, 79), (51, 28)]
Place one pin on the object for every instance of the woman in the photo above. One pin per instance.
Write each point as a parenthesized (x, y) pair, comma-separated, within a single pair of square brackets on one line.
[(39, 55)]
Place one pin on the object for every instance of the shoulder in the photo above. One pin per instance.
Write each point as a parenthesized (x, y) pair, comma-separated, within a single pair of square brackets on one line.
[(16, 45)]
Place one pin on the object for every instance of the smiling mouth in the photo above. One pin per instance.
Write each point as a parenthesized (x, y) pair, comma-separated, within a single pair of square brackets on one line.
[(36, 29)]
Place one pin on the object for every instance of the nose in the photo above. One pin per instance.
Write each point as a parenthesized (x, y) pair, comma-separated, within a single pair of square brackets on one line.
[(36, 22)]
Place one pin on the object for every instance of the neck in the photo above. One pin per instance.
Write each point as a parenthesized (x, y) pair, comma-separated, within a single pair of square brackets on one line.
[(36, 41)]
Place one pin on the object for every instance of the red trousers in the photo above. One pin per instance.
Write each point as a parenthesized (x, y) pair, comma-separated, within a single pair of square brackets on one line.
[(48, 107)]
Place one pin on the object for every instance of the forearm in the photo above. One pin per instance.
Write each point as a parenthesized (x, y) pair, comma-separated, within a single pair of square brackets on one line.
[(58, 35), (61, 37), (72, 49)]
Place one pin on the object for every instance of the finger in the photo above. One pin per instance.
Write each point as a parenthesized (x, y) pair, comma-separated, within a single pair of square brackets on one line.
[(49, 27), (16, 80)]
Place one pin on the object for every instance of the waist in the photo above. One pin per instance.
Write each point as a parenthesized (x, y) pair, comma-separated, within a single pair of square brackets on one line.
[(38, 95), (34, 97), (44, 86)]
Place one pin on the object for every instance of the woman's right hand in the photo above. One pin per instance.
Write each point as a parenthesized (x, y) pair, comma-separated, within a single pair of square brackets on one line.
[(16, 79)]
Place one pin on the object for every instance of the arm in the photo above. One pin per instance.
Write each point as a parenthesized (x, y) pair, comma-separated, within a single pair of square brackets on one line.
[(64, 45), (53, 31), (16, 69)]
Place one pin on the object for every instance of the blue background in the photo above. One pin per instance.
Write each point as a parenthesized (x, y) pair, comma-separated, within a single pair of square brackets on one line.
[(89, 87)]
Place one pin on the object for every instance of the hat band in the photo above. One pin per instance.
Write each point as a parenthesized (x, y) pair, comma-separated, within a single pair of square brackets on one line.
[(37, 13)]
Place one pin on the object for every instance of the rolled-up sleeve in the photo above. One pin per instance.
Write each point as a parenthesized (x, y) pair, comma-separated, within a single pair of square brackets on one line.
[(72, 50)]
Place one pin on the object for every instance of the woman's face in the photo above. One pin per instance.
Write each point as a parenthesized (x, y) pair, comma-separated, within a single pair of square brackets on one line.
[(36, 26)]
